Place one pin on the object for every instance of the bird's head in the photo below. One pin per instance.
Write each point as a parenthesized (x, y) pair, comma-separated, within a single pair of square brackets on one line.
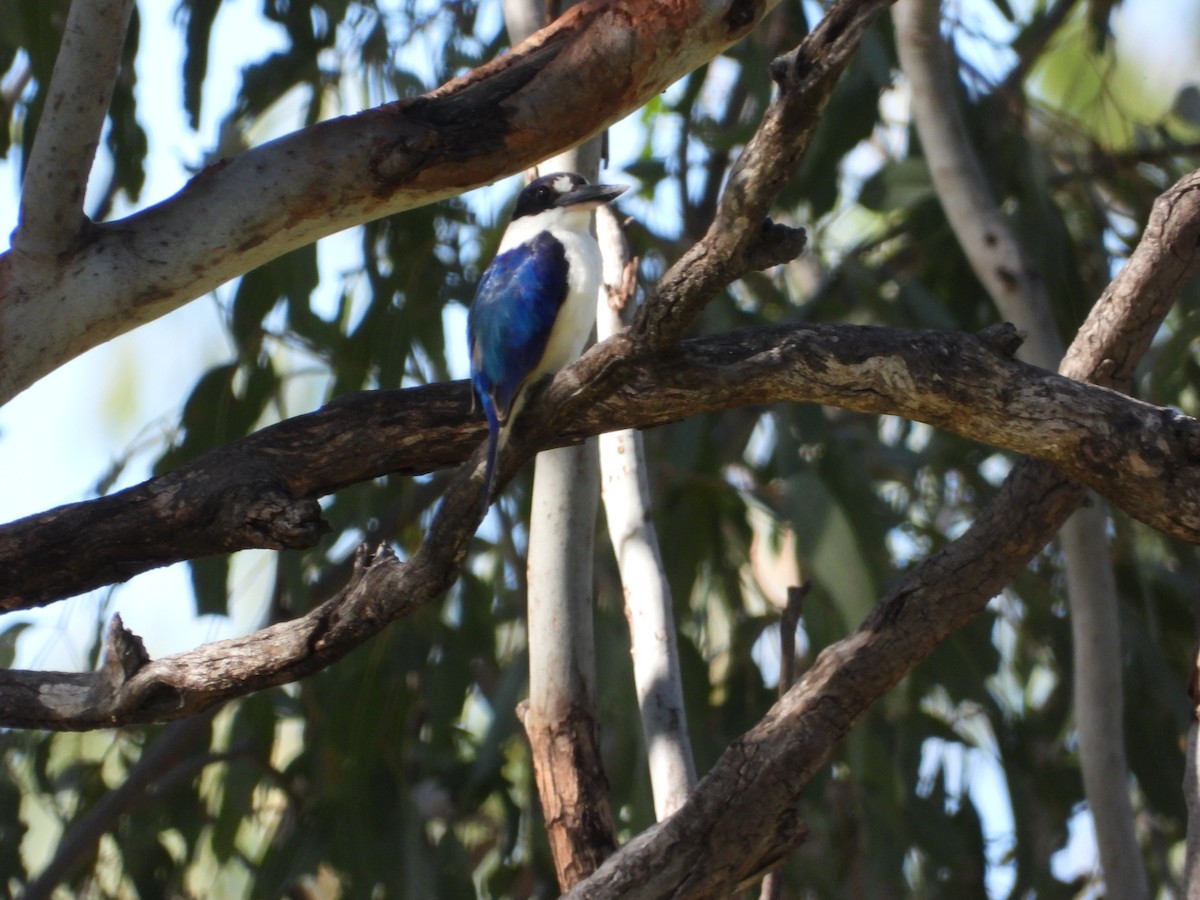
[(562, 198)]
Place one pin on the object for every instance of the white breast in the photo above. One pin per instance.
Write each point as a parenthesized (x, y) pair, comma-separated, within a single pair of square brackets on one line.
[(578, 314)]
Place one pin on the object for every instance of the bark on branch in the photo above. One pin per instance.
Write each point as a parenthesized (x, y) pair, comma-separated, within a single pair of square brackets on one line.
[(1142, 456), (262, 491), (130, 688)]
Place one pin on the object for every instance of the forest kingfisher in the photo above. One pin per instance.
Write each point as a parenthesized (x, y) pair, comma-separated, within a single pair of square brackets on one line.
[(536, 303)]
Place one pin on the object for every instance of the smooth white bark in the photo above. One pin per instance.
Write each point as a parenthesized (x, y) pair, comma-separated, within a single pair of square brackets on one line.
[(625, 490), (78, 96)]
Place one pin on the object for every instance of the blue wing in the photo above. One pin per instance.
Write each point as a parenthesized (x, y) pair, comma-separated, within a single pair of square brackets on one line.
[(509, 325)]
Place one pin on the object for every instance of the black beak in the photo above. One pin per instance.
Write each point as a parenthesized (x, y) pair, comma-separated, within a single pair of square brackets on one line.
[(589, 196)]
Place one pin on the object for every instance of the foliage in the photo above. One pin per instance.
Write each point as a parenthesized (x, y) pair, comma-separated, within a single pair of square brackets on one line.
[(402, 771)]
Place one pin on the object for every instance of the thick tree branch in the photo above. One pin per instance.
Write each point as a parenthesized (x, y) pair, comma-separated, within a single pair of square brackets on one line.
[(261, 491), (131, 689), (1118, 442), (584, 71)]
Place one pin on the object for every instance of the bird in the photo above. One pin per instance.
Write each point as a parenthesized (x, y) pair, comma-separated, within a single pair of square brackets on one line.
[(536, 301)]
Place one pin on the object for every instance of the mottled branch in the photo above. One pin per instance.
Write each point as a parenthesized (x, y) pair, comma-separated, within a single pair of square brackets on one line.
[(131, 688), (262, 490)]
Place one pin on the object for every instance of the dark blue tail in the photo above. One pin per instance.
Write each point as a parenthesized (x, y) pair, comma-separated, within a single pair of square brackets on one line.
[(489, 469)]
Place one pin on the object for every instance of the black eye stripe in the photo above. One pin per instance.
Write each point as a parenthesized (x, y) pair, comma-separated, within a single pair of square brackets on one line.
[(542, 194)]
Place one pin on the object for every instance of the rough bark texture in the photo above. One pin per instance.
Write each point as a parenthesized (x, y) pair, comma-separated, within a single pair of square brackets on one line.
[(130, 688), (573, 790), (261, 491)]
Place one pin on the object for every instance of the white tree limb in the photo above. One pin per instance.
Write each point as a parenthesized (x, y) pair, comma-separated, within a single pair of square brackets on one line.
[(995, 254), (625, 489), (77, 99)]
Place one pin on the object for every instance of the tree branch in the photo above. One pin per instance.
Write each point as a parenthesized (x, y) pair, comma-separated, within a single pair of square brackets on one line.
[(132, 689), (997, 257), (51, 215), (584, 71), (261, 491), (1124, 321), (805, 77), (1132, 449)]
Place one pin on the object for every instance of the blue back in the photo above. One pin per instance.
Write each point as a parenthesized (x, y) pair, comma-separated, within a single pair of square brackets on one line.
[(509, 324)]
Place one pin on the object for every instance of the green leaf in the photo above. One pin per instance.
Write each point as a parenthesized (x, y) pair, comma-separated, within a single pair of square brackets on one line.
[(8, 643), (210, 584), (199, 16), (829, 546)]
